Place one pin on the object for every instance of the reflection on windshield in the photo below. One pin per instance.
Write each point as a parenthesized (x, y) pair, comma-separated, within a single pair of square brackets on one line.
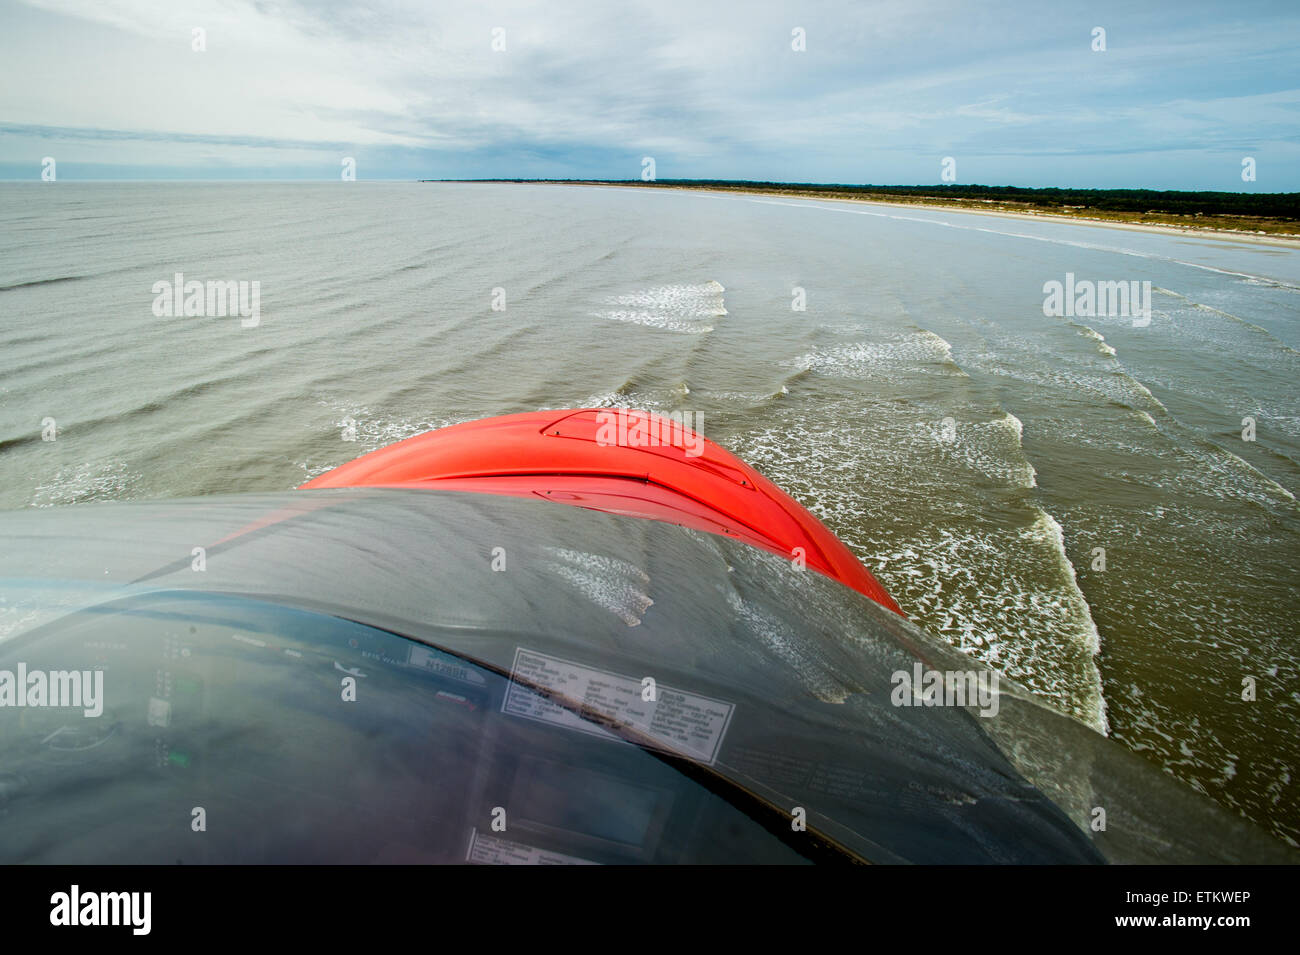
[(348, 679), (293, 736)]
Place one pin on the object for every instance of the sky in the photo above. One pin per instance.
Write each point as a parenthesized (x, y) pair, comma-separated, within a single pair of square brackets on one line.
[(1014, 93)]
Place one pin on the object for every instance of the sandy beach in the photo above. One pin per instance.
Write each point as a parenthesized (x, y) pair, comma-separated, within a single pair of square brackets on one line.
[(1288, 241)]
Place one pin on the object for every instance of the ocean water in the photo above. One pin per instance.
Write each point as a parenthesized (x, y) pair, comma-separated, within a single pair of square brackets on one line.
[(977, 454)]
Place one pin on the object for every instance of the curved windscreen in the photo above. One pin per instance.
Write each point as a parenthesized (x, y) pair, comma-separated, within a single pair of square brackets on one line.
[(416, 676)]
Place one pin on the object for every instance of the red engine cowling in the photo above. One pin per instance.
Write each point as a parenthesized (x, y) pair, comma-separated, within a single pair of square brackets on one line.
[(634, 463)]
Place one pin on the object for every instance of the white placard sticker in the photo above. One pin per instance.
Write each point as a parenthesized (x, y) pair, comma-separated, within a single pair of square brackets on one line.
[(487, 849), (684, 723)]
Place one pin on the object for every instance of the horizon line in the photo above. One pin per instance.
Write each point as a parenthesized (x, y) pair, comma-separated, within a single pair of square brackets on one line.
[(655, 182)]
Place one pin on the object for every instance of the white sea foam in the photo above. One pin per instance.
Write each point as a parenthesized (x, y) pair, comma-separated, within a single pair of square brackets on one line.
[(1003, 594), (362, 429), (778, 639), (92, 481), (1235, 477), (654, 320), (658, 401), (865, 359), (679, 308), (992, 448), (1096, 336), (609, 583), (1011, 601)]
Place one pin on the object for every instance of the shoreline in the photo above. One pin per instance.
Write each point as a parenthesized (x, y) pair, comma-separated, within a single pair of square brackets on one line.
[(1282, 240)]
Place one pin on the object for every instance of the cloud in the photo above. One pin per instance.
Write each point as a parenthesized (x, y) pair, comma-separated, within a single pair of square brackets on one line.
[(884, 89)]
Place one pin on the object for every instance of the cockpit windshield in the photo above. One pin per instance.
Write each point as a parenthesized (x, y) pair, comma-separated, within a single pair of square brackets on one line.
[(417, 676)]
